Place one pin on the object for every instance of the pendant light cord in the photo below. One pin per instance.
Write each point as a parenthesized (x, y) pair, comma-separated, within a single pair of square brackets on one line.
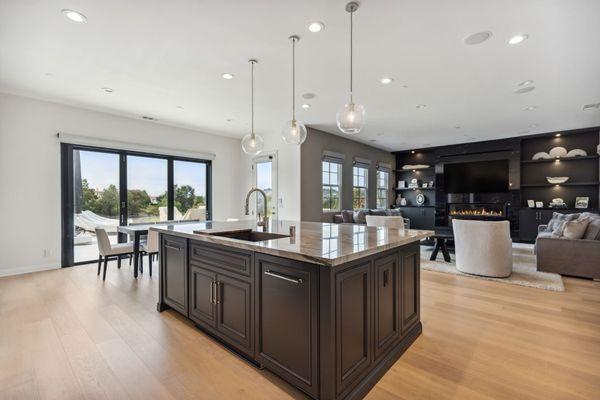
[(252, 98), (351, 30), (293, 79)]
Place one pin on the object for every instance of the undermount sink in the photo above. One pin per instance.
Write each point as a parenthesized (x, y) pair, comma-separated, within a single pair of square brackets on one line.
[(250, 236)]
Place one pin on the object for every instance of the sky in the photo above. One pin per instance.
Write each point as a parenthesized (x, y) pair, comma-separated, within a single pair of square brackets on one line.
[(145, 173)]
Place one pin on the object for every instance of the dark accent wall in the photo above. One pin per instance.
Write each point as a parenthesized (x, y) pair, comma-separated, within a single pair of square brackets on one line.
[(311, 155)]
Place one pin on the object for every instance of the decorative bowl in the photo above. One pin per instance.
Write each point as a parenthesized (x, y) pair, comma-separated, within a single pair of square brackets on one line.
[(417, 166), (555, 180), (542, 155), (558, 152), (576, 152)]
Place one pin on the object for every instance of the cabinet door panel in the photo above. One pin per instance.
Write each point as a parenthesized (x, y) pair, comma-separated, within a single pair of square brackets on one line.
[(202, 308), (353, 324), (175, 287), (387, 303), (287, 320), (410, 287), (234, 310)]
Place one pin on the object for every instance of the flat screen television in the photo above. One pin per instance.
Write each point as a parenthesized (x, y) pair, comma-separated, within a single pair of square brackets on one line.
[(476, 177)]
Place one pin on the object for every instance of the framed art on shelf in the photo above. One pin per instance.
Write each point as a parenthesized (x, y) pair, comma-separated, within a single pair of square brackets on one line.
[(582, 202)]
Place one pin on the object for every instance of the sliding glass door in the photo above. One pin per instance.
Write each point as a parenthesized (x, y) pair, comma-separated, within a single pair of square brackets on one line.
[(105, 188)]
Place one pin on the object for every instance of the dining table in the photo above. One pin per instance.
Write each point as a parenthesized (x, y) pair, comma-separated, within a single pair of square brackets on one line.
[(137, 231)]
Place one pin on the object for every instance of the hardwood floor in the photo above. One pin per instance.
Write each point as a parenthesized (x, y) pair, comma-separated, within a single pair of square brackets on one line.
[(65, 334)]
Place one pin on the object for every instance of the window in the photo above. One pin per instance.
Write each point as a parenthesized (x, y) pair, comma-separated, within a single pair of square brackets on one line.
[(383, 182), (359, 190), (332, 182)]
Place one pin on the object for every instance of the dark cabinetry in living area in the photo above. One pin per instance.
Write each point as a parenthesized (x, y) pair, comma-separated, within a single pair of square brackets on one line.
[(420, 217), (330, 331)]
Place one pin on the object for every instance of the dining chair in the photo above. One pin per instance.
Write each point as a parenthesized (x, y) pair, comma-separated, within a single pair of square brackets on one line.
[(107, 250), (149, 247)]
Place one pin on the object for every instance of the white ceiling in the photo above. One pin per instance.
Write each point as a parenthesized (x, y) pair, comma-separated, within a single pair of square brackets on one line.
[(159, 54)]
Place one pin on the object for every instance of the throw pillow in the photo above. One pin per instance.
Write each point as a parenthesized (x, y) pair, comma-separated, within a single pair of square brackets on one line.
[(347, 216), (393, 212), (556, 223), (575, 229), (593, 230), (360, 216), (378, 211)]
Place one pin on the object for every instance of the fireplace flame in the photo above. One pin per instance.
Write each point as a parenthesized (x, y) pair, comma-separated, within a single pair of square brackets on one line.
[(482, 212)]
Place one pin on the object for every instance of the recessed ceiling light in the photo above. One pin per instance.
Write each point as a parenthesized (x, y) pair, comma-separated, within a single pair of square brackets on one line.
[(229, 120), (180, 107), (74, 15), (518, 38), (49, 74), (457, 127), (309, 96), (525, 89), (372, 140), (558, 135), (477, 38), (525, 83), (107, 89), (530, 108), (380, 134), (412, 152), (316, 27), (306, 106), (420, 106), (227, 76), (387, 80), (148, 118)]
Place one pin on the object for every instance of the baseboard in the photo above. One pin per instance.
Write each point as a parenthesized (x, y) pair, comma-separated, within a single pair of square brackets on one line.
[(27, 270)]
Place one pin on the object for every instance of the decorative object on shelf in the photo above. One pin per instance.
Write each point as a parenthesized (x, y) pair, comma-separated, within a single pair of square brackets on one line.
[(424, 185), (416, 166), (420, 199), (576, 152), (399, 199), (598, 149), (414, 183), (430, 184), (557, 203), (557, 152), (531, 203), (401, 184), (294, 131), (542, 155), (403, 202), (351, 118), (555, 180), (252, 143), (582, 202), (539, 204)]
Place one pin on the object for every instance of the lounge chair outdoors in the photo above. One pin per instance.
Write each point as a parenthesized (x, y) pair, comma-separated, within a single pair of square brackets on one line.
[(89, 221), (164, 216)]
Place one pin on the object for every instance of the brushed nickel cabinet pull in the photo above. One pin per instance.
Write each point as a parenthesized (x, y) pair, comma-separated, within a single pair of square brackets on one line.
[(297, 281), (212, 292), (217, 292), (168, 246)]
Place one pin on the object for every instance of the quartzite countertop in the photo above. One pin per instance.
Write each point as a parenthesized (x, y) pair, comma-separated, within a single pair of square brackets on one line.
[(321, 243)]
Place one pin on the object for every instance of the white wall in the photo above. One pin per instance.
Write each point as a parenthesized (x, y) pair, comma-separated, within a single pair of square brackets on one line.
[(30, 172)]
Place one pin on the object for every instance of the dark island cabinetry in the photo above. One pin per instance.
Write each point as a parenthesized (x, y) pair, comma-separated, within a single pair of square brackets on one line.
[(330, 331)]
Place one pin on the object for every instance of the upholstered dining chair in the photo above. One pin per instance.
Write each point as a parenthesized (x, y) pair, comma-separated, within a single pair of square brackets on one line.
[(483, 247), (388, 221), (149, 247), (107, 250)]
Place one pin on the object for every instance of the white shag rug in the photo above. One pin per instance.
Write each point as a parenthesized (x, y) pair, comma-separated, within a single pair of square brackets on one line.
[(524, 269)]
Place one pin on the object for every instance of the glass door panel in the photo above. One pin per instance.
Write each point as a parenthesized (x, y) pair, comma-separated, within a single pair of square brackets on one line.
[(96, 200), (265, 178), (147, 190), (189, 192)]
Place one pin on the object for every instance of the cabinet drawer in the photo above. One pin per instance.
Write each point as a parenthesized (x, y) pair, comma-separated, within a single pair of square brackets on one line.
[(223, 258)]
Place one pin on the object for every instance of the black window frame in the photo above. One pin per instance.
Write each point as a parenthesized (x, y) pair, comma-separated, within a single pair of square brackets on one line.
[(67, 191)]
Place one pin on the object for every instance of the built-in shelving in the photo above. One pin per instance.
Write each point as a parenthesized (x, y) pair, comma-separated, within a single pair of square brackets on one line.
[(415, 170), (561, 159), (525, 185), (418, 188)]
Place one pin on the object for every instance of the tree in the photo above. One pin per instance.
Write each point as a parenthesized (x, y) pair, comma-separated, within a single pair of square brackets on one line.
[(107, 203), (185, 198), (90, 198), (137, 201)]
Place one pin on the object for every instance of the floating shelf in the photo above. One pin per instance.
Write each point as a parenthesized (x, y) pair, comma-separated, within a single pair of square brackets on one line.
[(549, 160), (419, 188), (415, 170), (415, 206), (526, 185)]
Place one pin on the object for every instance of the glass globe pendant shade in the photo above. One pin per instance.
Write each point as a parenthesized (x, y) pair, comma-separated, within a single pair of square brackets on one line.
[(252, 144), (294, 132), (351, 118)]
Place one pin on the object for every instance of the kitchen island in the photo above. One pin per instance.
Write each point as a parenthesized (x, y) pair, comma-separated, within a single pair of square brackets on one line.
[(329, 309)]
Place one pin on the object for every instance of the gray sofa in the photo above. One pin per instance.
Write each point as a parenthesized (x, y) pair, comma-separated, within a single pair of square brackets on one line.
[(574, 257), (359, 216)]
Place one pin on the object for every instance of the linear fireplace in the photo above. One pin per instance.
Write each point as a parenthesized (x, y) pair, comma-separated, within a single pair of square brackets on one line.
[(479, 211)]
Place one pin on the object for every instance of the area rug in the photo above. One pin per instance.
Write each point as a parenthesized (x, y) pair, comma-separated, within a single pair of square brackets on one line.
[(524, 269)]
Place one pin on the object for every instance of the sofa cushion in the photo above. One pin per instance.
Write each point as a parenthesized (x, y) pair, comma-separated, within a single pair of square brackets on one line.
[(544, 234), (348, 216), (360, 216), (378, 211), (575, 229), (393, 212), (558, 220), (593, 229)]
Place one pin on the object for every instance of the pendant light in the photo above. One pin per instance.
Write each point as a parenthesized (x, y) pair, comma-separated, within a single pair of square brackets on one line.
[(252, 143), (351, 118), (294, 131)]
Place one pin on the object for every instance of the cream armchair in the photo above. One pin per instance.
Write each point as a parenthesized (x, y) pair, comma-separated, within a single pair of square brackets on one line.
[(483, 247)]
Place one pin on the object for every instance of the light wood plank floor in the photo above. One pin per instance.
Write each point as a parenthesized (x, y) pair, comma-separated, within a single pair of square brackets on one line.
[(65, 334)]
